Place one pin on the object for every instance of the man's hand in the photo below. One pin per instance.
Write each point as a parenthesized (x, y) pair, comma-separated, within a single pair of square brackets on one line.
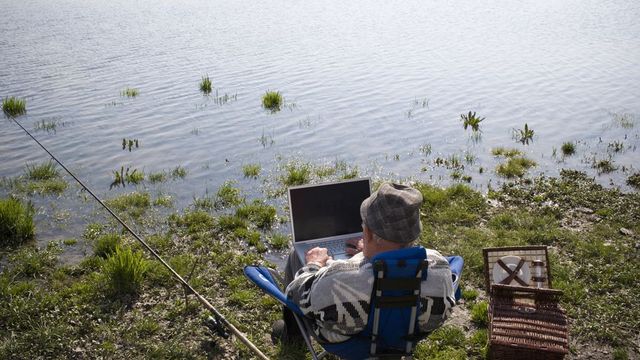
[(318, 256), (353, 246)]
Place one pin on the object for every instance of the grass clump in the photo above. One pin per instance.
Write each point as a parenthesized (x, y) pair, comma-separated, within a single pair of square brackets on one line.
[(205, 84), (278, 241), (130, 92), (515, 167), (568, 148), (296, 175), (272, 100), (44, 171), (179, 172), (13, 106), (260, 214), (134, 204), (106, 245), (634, 180), (604, 166), (16, 222), (472, 120), (502, 151), (480, 313), (228, 195), (251, 170), (157, 177), (124, 272)]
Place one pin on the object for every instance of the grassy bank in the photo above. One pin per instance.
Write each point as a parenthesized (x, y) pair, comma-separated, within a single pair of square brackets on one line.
[(78, 312)]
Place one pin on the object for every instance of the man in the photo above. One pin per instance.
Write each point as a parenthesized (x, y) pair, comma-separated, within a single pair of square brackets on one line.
[(335, 295)]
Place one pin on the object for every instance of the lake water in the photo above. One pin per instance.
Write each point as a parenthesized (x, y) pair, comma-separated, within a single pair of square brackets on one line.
[(367, 82)]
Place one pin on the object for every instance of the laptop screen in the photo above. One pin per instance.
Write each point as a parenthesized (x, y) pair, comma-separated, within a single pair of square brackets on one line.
[(325, 210)]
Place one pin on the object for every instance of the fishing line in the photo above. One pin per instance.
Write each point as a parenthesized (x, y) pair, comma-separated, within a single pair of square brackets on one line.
[(203, 301)]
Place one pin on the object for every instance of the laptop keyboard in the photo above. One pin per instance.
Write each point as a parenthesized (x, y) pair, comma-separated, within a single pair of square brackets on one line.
[(336, 248)]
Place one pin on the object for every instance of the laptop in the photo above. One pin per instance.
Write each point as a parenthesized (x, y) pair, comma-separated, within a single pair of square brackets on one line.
[(326, 215)]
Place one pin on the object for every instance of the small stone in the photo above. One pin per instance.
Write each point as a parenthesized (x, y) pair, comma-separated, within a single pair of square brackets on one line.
[(584, 210), (625, 231)]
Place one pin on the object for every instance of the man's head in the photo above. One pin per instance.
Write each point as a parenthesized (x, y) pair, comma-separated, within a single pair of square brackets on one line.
[(391, 217)]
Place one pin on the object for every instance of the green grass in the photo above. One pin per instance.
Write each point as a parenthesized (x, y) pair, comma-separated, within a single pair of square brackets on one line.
[(472, 120), (44, 171), (205, 84), (134, 204), (480, 313), (251, 170), (568, 148), (228, 195), (260, 214), (124, 272), (157, 177), (16, 222), (515, 167), (13, 106), (278, 241), (272, 100), (106, 245), (296, 174), (32, 262), (130, 92), (502, 151)]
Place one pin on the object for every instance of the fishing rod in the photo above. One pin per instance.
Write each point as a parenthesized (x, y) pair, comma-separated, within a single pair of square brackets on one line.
[(218, 316)]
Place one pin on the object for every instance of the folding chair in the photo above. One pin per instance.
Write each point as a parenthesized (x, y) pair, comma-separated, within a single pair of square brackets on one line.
[(392, 329)]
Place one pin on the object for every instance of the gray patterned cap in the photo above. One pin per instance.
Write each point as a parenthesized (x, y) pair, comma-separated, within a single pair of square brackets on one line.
[(393, 212)]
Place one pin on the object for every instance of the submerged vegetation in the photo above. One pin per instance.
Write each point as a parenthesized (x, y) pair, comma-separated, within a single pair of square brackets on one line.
[(272, 100), (502, 151), (205, 85), (524, 135), (13, 106), (251, 170), (16, 222)]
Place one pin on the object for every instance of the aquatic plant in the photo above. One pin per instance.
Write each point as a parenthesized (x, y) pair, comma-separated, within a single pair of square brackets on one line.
[(425, 149), (502, 151), (472, 120), (296, 174), (266, 140), (205, 85), (259, 213), (515, 167), (524, 135), (228, 195), (130, 92), (568, 148), (278, 241), (16, 222), (13, 106), (624, 120), (157, 177), (272, 100), (251, 170), (124, 272), (122, 177), (129, 143), (44, 171), (603, 166), (634, 180), (106, 245), (615, 146), (134, 204), (48, 126), (179, 172)]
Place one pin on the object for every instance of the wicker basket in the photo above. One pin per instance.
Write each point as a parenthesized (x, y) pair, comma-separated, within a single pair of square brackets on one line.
[(530, 254), (526, 324)]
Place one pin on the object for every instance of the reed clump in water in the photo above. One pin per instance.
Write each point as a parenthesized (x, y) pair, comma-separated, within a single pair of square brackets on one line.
[(471, 119), (16, 222), (272, 100), (13, 106), (515, 167), (205, 85), (568, 148)]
